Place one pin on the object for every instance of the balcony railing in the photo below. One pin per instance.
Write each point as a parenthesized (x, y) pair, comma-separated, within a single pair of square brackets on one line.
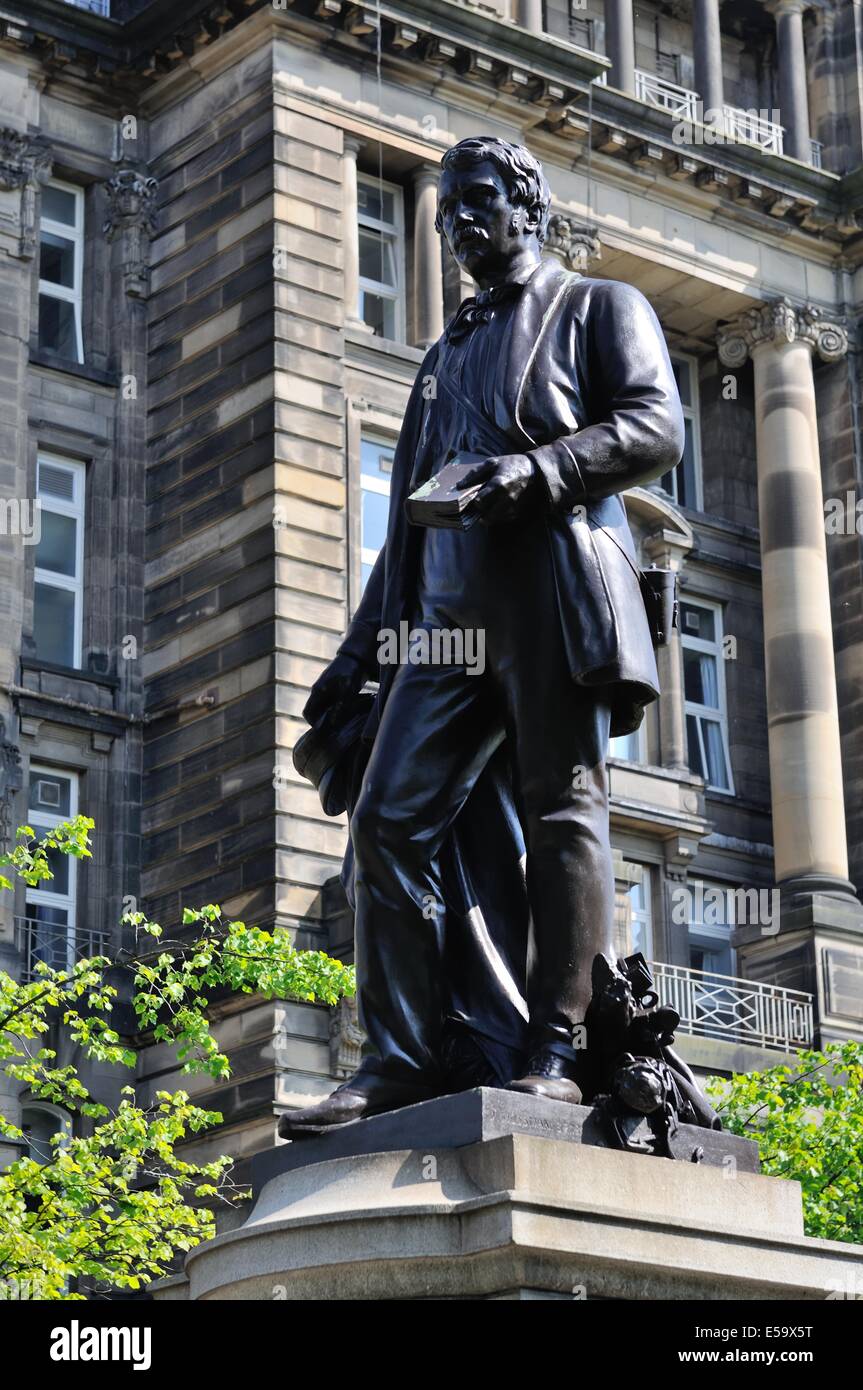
[(720, 1006), (55, 946), (753, 129), (667, 96)]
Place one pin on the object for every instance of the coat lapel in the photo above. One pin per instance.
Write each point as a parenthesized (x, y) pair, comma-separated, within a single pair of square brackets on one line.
[(527, 324)]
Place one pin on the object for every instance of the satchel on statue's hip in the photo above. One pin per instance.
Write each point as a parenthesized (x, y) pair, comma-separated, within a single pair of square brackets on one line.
[(658, 586), (659, 591)]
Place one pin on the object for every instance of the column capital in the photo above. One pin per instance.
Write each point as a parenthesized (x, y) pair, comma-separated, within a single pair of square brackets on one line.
[(780, 7), (425, 174), (130, 214), (25, 162), (352, 143), (575, 243), (22, 158), (779, 321)]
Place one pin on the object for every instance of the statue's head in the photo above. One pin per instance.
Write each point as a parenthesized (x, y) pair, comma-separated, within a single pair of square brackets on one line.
[(493, 200)]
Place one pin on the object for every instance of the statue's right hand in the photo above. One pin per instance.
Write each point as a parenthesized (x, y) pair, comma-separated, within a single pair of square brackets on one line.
[(342, 678)]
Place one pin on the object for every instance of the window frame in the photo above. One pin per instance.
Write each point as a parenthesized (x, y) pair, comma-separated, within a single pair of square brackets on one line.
[(47, 820), (574, 20), (702, 933), (645, 913), (693, 414), (369, 483), (62, 1118), (701, 644), (77, 511), (640, 736), (396, 231), (73, 295)]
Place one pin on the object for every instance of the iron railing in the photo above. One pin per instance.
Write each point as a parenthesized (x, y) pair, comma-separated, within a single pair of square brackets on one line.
[(667, 96), (721, 1006), (753, 129), (56, 946)]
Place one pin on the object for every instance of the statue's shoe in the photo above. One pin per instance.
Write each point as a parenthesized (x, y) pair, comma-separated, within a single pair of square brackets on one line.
[(367, 1093), (550, 1074)]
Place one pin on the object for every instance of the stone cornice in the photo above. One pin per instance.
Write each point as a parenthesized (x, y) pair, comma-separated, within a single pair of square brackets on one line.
[(779, 321), (550, 79)]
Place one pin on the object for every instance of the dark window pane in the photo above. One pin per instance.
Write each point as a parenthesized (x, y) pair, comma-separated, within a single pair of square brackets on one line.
[(47, 936), (49, 793), (57, 260), (57, 548), (682, 372), (57, 327), (717, 768), (376, 202), (699, 678), (377, 261), (686, 493), (693, 746), (58, 205), (378, 313), (698, 622), (54, 624)]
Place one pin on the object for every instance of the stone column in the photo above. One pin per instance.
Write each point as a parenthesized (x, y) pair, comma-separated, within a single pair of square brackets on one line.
[(528, 14), (802, 716), (669, 552), (620, 44), (707, 45), (428, 269), (350, 232), (793, 89)]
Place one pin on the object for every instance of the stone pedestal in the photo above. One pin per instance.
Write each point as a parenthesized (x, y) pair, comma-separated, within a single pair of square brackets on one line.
[(493, 1196)]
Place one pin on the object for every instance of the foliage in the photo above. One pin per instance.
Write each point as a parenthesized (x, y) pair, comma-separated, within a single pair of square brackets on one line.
[(808, 1120), (115, 1201)]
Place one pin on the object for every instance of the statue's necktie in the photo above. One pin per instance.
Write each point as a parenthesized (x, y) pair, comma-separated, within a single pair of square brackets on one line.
[(478, 310)]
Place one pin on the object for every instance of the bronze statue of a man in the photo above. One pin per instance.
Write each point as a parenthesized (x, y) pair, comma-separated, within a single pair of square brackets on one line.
[(474, 961)]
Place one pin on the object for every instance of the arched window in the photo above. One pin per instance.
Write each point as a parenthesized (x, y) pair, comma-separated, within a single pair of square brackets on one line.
[(40, 1124)]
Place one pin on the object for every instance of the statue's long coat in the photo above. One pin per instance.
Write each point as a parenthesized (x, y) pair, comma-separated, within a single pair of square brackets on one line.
[(588, 391)]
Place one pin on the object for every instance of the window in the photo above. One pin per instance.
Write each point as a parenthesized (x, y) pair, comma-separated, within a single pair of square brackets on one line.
[(40, 1124), (683, 483), (629, 747), (376, 466), (634, 918), (51, 905), (61, 259), (704, 693), (641, 916), (382, 258), (580, 28), (710, 929), (668, 66), (59, 577)]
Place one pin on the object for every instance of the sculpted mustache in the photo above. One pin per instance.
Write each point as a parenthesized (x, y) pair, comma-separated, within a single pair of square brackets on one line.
[(469, 234)]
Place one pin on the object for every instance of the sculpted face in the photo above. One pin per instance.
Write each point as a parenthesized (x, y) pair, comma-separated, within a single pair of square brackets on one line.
[(482, 228)]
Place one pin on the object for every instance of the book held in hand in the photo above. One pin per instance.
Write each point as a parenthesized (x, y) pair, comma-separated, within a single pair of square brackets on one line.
[(440, 501)]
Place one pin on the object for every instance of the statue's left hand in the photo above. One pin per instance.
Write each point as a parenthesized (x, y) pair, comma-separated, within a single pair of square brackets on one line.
[(507, 481)]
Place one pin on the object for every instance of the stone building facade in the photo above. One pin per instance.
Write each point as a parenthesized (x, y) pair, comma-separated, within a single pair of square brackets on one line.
[(218, 273)]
